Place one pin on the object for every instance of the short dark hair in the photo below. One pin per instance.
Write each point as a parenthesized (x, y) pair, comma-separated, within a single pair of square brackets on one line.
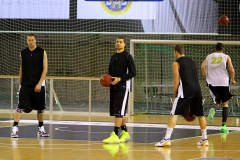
[(31, 35), (219, 46), (179, 48), (121, 38)]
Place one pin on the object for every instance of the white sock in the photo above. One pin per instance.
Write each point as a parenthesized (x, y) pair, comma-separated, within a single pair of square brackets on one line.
[(168, 133), (204, 133)]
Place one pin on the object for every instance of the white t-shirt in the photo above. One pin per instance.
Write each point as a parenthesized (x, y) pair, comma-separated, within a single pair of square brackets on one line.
[(217, 74)]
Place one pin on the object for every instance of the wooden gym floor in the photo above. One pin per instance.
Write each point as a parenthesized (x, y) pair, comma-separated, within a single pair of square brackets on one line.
[(79, 136)]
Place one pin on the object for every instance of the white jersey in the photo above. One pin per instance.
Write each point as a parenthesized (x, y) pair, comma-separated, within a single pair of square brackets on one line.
[(216, 68)]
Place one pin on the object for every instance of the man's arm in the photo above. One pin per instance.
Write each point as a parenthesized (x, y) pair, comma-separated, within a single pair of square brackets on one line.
[(44, 72), (20, 72), (203, 67), (176, 77), (231, 70), (45, 68), (131, 69)]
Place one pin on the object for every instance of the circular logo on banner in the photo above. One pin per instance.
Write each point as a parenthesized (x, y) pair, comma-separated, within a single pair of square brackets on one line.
[(116, 7)]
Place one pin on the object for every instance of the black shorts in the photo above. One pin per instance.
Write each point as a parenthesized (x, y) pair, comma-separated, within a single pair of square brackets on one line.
[(220, 93), (181, 106), (118, 102), (28, 99)]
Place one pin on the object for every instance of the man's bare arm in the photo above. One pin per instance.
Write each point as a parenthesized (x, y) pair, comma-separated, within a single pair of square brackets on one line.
[(44, 73), (20, 72), (176, 76), (203, 67), (231, 70)]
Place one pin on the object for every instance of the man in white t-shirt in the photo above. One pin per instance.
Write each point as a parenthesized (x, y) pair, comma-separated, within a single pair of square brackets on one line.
[(214, 69)]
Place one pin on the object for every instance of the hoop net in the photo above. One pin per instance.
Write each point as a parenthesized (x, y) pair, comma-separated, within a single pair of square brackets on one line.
[(116, 5)]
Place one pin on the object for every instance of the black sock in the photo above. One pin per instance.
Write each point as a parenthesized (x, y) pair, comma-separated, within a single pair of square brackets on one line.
[(124, 128), (116, 130), (224, 115), (40, 124), (15, 123)]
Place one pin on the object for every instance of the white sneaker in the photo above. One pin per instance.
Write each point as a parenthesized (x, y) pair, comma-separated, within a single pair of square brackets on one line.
[(14, 133), (203, 142), (164, 142), (41, 132)]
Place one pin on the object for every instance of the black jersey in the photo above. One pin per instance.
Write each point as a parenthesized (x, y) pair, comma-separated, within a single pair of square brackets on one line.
[(189, 84), (32, 66), (122, 65)]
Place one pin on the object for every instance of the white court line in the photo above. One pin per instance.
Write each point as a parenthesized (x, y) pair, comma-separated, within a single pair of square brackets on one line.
[(144, 125)]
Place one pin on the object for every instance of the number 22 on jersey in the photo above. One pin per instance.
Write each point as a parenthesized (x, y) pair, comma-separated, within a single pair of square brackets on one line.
[(216, 60)]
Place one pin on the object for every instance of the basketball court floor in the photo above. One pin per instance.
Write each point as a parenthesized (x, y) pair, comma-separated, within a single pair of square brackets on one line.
[(79, 136)]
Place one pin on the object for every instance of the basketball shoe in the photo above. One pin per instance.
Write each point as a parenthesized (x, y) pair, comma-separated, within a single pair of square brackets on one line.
[(112, 139), (125, 136), (14, 133), (41, 132), (211, 115), (203, 142), (224, 129), (163, 143)]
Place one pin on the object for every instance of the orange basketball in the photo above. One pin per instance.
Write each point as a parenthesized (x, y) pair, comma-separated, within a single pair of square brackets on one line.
[(223, 20), (188, 118), (106, 80)]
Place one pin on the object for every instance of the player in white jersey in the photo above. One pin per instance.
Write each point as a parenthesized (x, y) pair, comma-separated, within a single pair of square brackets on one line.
[(214, 69)]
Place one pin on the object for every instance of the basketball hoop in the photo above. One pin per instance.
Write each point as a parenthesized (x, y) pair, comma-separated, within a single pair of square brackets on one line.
[(116, 5)]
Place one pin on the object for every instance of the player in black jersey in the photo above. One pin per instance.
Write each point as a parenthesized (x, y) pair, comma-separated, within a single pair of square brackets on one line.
[(186, 94), (122, 69), (32, 73)]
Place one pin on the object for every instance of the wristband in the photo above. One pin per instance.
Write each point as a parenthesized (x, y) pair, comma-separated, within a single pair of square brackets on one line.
[(119, 79)]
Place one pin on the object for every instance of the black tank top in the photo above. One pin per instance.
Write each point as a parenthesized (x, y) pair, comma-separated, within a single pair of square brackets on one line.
[(189, 78), (32, 66)]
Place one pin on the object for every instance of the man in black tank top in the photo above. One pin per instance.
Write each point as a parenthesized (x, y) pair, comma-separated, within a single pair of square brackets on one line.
[(187, 96), (32, 75)]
